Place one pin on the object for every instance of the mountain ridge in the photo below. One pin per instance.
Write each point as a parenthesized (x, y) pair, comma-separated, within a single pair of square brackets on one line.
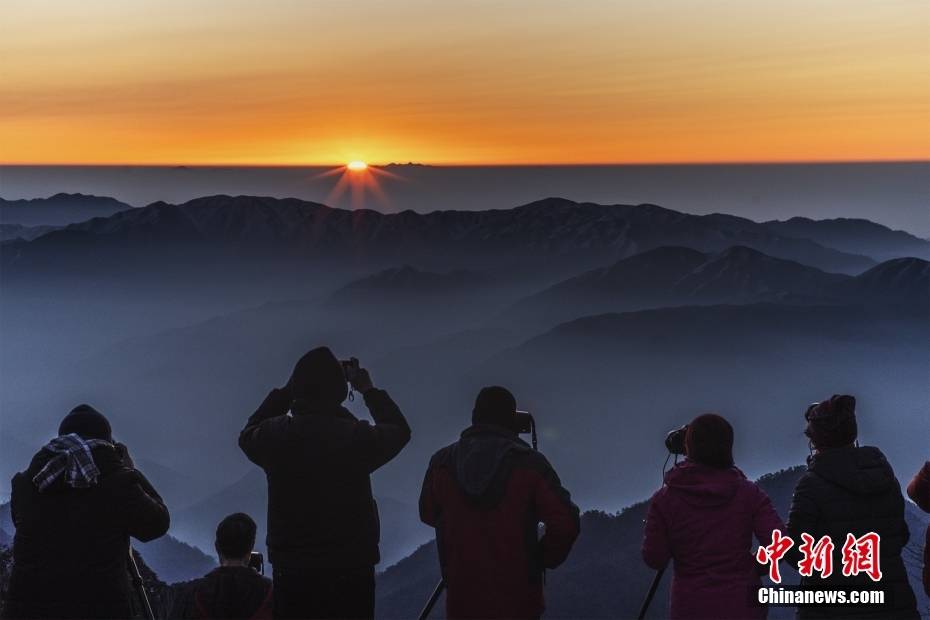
[(291, 228)]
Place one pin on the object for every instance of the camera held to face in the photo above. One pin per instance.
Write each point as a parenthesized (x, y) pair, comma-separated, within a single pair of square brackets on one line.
[(350, 368), (675, 440)]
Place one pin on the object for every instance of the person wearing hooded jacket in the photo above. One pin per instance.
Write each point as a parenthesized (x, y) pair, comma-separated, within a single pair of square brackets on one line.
[(850, 489), (703, 519), (323, 528), (75, 508), (919, 492), (486, 495)]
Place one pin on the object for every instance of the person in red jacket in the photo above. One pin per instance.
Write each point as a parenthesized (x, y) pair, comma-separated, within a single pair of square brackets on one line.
[(919, 491), (704, 518), (486, 495)]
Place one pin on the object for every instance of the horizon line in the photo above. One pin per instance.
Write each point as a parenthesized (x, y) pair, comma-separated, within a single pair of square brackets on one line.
[(722, 162)]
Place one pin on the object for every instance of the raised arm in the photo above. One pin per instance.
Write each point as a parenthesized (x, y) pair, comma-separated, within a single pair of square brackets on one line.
[(656, 549), (252, 441), (802, 516), (429, 508), (141, 507), (764, 518), (555, 509), (919, 488), (379, 443)]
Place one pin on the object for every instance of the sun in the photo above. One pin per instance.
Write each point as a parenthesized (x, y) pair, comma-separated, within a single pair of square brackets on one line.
[(357, 165)]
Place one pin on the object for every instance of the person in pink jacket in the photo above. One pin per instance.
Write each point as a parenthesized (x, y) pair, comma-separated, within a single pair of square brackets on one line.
[(703, 519)]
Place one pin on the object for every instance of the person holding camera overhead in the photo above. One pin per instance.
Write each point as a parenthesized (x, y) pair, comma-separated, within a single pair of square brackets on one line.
[(323, 529), (486, 494), (703, 518), (235, 589)]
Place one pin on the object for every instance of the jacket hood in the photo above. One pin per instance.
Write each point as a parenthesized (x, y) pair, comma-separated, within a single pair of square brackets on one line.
[(863, 471), (479, 455), (318, 378), (704, 486)]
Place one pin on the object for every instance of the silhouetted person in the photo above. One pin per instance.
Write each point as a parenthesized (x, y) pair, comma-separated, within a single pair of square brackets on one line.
[(703, 519), (849, 489), (323, 527), (235, 589), (919, 491), (486, 494), (74, 509)]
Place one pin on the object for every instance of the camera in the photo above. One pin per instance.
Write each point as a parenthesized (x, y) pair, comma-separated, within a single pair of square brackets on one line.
[(523, 422), (675, 440), (257, 562), (349, 368)]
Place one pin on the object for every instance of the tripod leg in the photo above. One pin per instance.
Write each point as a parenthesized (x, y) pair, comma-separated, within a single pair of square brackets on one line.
[(651, 593), (432, 600)]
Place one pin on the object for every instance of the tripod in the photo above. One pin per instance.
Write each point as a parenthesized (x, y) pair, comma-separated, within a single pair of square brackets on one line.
[(651, 593), (139, 585)]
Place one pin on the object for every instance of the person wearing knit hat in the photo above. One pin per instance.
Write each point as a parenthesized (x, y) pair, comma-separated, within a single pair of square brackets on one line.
[(86, 422), (494, 405), (323, 527), (848, 489), (76, 508), (832, 423), (704, 519)]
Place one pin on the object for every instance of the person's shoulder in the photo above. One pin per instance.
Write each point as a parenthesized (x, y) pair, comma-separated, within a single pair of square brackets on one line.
[(525, 457), (443, 455)]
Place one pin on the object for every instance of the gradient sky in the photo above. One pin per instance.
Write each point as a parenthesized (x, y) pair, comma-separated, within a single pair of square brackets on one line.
[(599, 81)]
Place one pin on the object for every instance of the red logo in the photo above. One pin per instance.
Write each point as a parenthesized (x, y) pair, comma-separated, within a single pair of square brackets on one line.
[(772, 553), (860, 555)]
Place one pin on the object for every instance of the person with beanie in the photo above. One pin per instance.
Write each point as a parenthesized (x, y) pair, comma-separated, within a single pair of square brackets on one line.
[(486, 495), (74, 509), (323, 528), (848, 489), (703, 519)]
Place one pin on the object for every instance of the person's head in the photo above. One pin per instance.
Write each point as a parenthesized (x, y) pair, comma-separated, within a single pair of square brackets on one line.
[(319, 379), (709, 441), (235, 538), (495, 405), (832, 423), (87, 423)]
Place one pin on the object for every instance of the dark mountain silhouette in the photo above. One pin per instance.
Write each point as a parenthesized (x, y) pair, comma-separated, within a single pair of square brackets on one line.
[(604, 576), (174, 560), (566, 233), (58, 210), (9, 232), (901, 280), (854, 235), (408, 283), (675, 276)]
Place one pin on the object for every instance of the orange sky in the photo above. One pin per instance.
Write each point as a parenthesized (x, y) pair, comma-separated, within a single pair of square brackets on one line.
[(599, 81)]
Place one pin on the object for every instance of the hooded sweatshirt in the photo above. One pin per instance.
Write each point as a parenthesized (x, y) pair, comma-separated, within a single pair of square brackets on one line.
[(704, 519), (485, 495), (854, 490)]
